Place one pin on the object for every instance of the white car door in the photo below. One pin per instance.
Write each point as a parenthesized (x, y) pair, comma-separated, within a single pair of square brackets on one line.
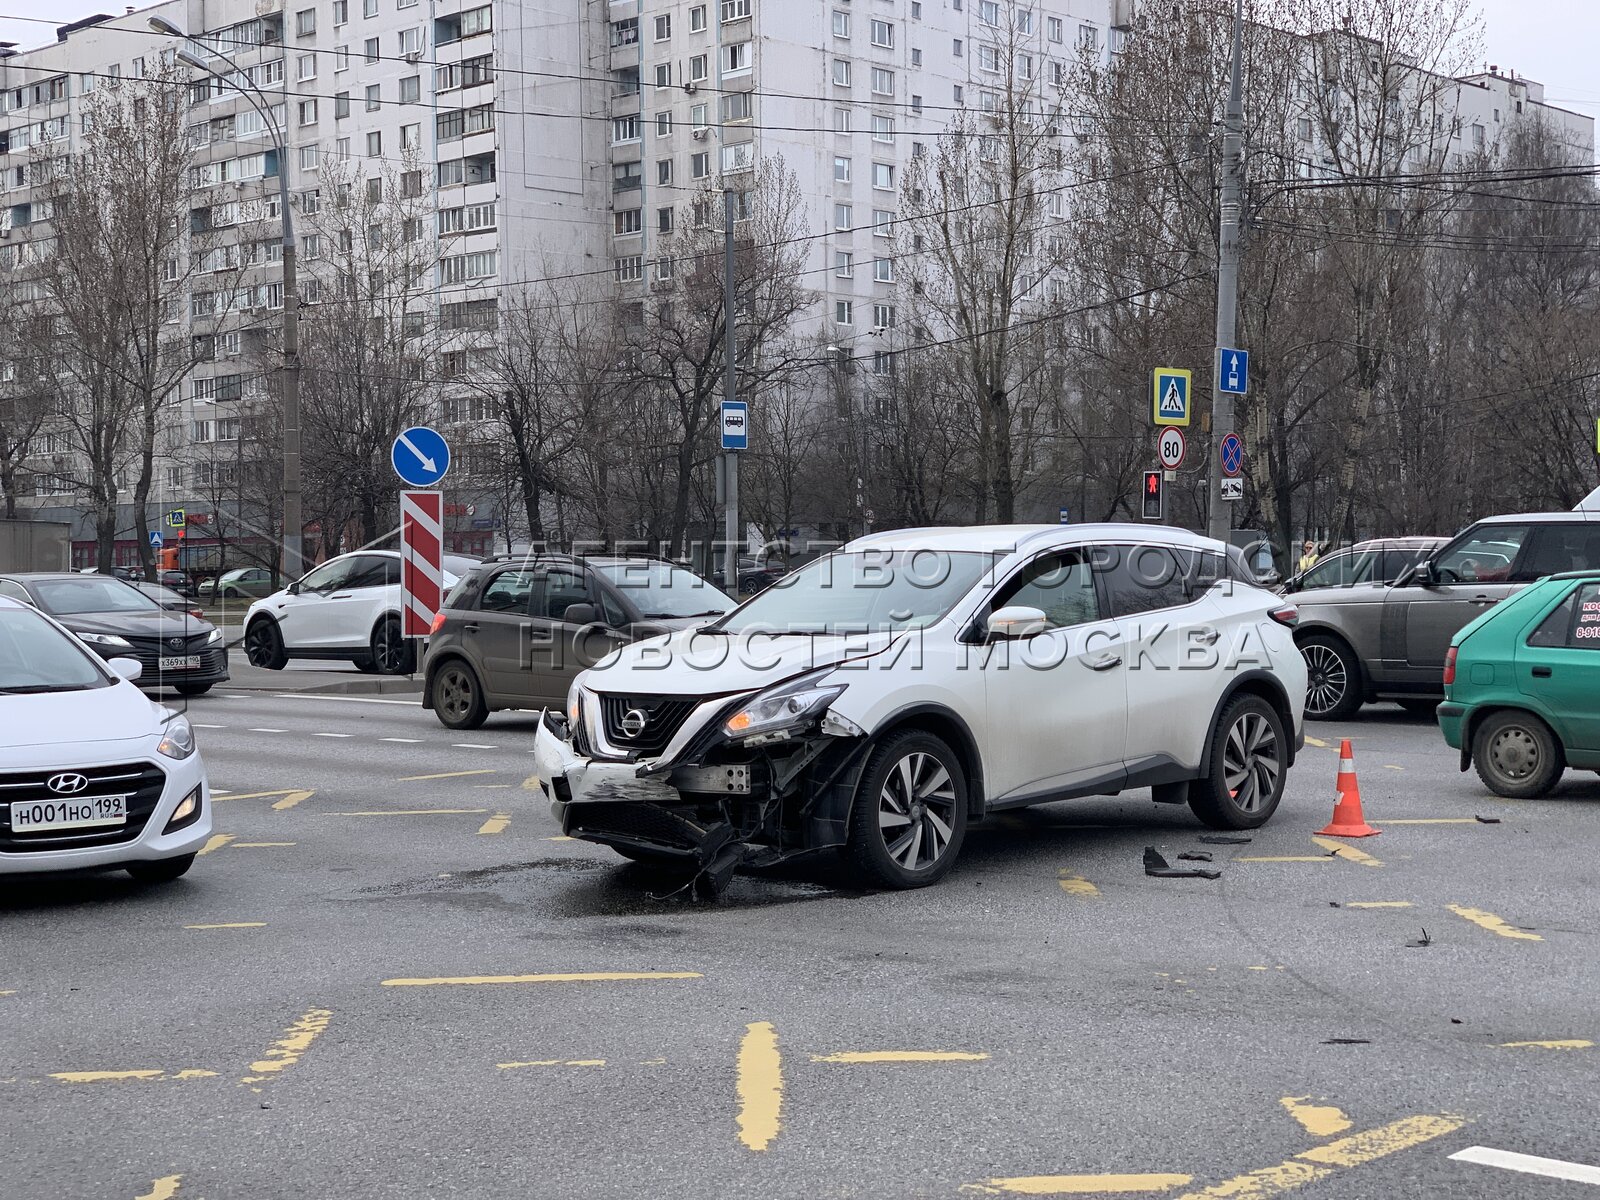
[(373, 588), (1057, 701), (1175, 638), (305, 611)]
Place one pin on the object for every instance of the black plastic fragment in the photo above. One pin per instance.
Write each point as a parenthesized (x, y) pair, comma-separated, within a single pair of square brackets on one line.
[(1485, 820), (1217, 840), (1347, 1041), (1155, 865), (1195, 856)]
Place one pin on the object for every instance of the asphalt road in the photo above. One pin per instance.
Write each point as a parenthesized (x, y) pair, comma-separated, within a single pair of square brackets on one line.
[(388, 978)]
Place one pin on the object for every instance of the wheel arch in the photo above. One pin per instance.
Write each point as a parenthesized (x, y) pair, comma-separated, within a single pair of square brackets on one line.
[(950, 728), (1333, 632), (1269, 688), (1473, 722), (431, 666)]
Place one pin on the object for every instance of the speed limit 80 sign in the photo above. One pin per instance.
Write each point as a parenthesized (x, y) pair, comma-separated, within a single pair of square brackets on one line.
[(1170, 447)]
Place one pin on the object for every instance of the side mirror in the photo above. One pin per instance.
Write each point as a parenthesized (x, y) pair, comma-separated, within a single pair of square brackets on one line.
[(1016, 621), (294, 588), (1420, 575), (126, 668), (580, 614)]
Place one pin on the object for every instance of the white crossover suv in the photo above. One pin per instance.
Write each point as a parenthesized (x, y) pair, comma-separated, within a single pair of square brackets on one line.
[(93, 775), (346, 608), (883, 697)]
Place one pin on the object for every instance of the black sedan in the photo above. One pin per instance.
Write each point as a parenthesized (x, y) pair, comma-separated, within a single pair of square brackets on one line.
[(118, 621)]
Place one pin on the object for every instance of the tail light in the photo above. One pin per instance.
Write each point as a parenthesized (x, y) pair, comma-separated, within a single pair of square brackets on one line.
[(1450, 666), (1287, 615), (438, 623)]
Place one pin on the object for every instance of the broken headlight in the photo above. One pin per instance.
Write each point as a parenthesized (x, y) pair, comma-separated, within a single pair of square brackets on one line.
[(777, 714)]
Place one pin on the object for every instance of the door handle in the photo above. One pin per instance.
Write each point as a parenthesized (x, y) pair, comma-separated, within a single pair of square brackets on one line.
[(1542, 672), (470, 627), (1208, 636), (1105, 664), (1482, 601)]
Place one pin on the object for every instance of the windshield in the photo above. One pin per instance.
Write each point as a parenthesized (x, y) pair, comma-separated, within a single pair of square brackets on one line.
[(35, 656), (661, 590), (90, 594), (864, 592)]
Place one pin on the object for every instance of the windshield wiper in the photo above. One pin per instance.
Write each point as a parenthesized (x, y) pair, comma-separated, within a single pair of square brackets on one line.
[(33, 689)]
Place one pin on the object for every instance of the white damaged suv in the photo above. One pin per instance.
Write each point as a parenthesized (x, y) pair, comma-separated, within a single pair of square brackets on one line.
[(883, 697)]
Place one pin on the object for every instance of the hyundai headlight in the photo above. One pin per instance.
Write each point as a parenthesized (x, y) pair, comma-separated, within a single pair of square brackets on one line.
[(776, 714), (177, 741), (109, 640)]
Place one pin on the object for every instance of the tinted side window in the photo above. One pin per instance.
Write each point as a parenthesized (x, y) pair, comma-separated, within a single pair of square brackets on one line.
[(1555, 628), (1586, 626), (1330, 572), (561, 588), (1141, 579), (509, 592), (14, 590), (1482, 555), (1558, 548), (616, 616), (371, 571), (330, 576), (1060, 585)]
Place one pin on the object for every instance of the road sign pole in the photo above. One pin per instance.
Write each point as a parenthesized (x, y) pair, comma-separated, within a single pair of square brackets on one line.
[(1220, 515), (730, 393)]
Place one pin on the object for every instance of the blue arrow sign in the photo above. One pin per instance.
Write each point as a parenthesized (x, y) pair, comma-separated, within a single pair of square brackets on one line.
[(1233, 372), (420, 456), (735, 425)]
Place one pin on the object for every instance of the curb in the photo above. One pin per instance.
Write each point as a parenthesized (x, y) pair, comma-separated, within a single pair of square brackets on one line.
[(392, 686)]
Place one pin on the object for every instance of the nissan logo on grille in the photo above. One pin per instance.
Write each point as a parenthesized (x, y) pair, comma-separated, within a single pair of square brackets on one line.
[(634, 721), (67, 783)]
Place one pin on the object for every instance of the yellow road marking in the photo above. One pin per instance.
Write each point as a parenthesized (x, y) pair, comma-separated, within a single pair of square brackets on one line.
[(899, 1056), (1317, 742), (1283, 858), (554, 1062), (496, 823), (571, 977), (412, 812), (215, 842), (1432, 821), (444, 775), (1075, 885), (260, 845), (1322, 1161), (1340, 850), (104, 1076), (195, 1074), (164, 1188), (759, 1086), (290, 797), (1078, 1185), (296, 1040), (11, 992), (1378, 904), (531, 784), (564, 838), (231, 925), (1566, 1044), (1494, 924), (1316, 1119)]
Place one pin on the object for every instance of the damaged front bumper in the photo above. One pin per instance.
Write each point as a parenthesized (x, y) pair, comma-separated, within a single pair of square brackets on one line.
[(707, 803)]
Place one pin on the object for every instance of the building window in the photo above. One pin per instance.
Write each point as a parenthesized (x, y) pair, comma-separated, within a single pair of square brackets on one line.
[(1054, 28), (882, 82), (411, 184), (883, 316), (625, 176), (697, 19), (736, 107), (462, 267), (989, 59), (882, 222), (736, 58), (305, 67), (411, 89), (369, 50), (698, 68), (663, 124), (989, 11), (369, 8), (841, 24), (629, 221), (841, 170), (956, 47), (308, 158), (882, 128), (1024, 66), (664, 171), (664, 220), (699, 116), (844, 265), (411, 137), (844, 312), (700, 165), (663, 75), (916, 10), (305, 22), (916, 58), (341, 12), (841, 120), (883, 270), (341, 59), (625, 32), (308, 112), (1024, 20), (882, 175), (958, 94), (882, 33), (735, 10), (1088, 37), (663, 27), (842, 216), (841, 72), (630, 269), (375, 144), (916, 104), (374, 196), (1303, 128), (373, 97), (625, 129)]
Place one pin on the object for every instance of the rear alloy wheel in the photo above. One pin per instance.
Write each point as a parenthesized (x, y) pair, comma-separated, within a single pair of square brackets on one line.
[(392, 652), (1333, 678), (1517, 755), (1249, 766), (263, 645), (164, 871), (910, 813), (457, 697)]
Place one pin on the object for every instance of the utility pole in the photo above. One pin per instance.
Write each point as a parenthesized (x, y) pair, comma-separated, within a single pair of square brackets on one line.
[(1220, 512), (730, 393)]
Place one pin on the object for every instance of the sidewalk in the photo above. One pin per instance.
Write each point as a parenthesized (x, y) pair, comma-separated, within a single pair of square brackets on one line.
[(334, 678)]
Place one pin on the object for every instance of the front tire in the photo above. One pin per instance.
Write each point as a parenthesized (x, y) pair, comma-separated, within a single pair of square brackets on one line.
[(457, 697), (263, 645), (910, 813), (164, 871), (1333, 678), (1517, 755), (391, 651), (1248, 768)]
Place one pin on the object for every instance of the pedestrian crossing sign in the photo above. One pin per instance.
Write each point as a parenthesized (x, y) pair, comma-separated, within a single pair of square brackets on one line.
[(1170, 396)]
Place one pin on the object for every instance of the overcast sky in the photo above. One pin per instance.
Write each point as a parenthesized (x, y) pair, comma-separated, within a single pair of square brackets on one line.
[(1554, 41)]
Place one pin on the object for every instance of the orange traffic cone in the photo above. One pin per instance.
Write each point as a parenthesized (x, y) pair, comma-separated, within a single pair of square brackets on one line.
[(1348, 820)]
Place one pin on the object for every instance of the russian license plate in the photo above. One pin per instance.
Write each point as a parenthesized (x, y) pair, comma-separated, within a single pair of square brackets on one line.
[(68, 814), (179, 662)]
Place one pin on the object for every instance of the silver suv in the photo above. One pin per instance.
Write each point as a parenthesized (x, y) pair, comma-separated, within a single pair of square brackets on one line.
[(1388, 641)]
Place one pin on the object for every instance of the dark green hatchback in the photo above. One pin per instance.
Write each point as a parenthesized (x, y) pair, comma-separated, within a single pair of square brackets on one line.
[(1522, 687)]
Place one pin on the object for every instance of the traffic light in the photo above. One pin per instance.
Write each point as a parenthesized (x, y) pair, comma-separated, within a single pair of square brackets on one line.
[(1154, 508)]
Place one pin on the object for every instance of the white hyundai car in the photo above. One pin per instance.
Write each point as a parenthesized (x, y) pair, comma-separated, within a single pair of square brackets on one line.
[(884, 697), (346, 608), (93, 775)]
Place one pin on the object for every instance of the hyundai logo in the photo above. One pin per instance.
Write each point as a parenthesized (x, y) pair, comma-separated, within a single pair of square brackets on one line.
[(67, 783), (634, 721)]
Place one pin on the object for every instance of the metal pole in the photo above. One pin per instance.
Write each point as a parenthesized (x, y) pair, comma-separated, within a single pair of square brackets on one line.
[(1220, 518), (730, 392), (293, 521)]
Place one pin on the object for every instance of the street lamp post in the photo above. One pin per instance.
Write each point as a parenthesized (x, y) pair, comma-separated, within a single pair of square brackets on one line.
[(293, 523)]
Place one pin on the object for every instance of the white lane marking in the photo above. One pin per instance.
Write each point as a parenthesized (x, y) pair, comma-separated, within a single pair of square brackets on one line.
[(342, 699), (269, 731), (198, 725), (333, 735), (471, 746), (407, 741), (1529, 1164)]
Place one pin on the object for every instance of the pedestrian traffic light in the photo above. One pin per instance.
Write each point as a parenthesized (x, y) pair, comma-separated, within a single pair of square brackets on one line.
[(1153, 506)]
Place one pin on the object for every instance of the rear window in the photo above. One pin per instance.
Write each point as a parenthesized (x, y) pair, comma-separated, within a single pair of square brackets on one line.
[(1574, 624)]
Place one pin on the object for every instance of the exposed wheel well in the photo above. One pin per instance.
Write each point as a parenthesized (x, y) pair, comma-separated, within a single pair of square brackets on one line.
[(953, 732)]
